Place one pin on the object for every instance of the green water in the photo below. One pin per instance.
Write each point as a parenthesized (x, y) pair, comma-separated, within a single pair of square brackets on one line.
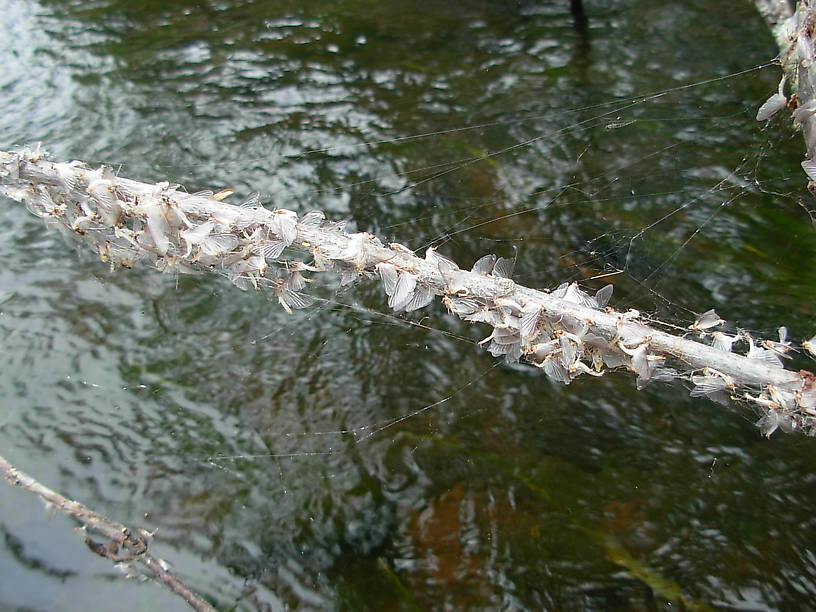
[(258, 444)]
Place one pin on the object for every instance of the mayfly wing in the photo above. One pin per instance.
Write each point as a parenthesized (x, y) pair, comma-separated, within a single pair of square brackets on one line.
[(297, 300), (560, 291), (707, 320), (196, 235), (707, 385), (157, 227), (462, 306), (555, 371), (388, 274), (253, 201), (422, 297), (295, 281), (504, 267), (484, 265), (771, 106), (440, 261), (603, 295), (403, 291), (722, 342), (218, 244), (568, 353), (809, 167), (312, 219), (529, 321), (270, 249)]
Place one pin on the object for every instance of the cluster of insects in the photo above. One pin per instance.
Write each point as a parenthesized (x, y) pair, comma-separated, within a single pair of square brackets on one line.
[(565, 332)]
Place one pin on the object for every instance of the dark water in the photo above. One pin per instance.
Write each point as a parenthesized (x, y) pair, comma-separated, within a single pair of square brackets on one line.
[(258, 444)]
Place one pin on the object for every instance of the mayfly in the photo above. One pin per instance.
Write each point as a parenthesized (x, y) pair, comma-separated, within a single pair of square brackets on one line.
[(38, 202), (773, 104), (773, 420), (284, 225), (783, 346), (442, 263), (461, 307), (296, 281), (354, 253), (723, 342), (103, 193), (389, 276), (289, 298), (196, 235), (246, 273), (163, 218), (761, 354), (712, 384), (810, 346), (639, 360), (705, 321), (312, 220), (402, 289)]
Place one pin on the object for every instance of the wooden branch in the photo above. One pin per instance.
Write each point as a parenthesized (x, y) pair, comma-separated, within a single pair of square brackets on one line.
[(794, 33), (776, 13), (124, 546), (565, 332)]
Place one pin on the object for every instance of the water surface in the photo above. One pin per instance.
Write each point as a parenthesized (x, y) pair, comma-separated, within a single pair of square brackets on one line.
[(260, 445)]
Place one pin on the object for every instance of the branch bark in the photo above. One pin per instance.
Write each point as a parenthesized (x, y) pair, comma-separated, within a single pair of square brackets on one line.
[(794, 34), (124, 546), (565, 332)]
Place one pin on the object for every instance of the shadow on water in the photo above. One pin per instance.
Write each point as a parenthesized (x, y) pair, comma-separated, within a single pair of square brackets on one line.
[(343, 458)]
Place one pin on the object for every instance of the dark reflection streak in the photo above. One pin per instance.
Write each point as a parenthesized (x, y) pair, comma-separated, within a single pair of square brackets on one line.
[(579, 17), (27, 560)]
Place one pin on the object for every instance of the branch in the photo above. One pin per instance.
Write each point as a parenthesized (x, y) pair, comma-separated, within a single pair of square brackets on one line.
[(125, 545), (565, 332), (794, 33), (776, 13)]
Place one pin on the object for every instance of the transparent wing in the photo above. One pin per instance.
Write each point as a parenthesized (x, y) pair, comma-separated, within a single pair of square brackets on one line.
[(484, 265)]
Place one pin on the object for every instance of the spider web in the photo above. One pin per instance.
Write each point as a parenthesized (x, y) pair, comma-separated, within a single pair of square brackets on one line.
[(634, 257), (663, 186)]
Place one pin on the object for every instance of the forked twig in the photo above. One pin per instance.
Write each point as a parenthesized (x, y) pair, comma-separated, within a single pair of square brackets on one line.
[(124, 546)]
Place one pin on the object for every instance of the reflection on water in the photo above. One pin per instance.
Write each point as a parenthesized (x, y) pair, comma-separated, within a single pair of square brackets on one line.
[(270, 451)]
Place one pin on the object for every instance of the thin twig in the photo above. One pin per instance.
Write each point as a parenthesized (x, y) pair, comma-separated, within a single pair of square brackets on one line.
[(124, 546)]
